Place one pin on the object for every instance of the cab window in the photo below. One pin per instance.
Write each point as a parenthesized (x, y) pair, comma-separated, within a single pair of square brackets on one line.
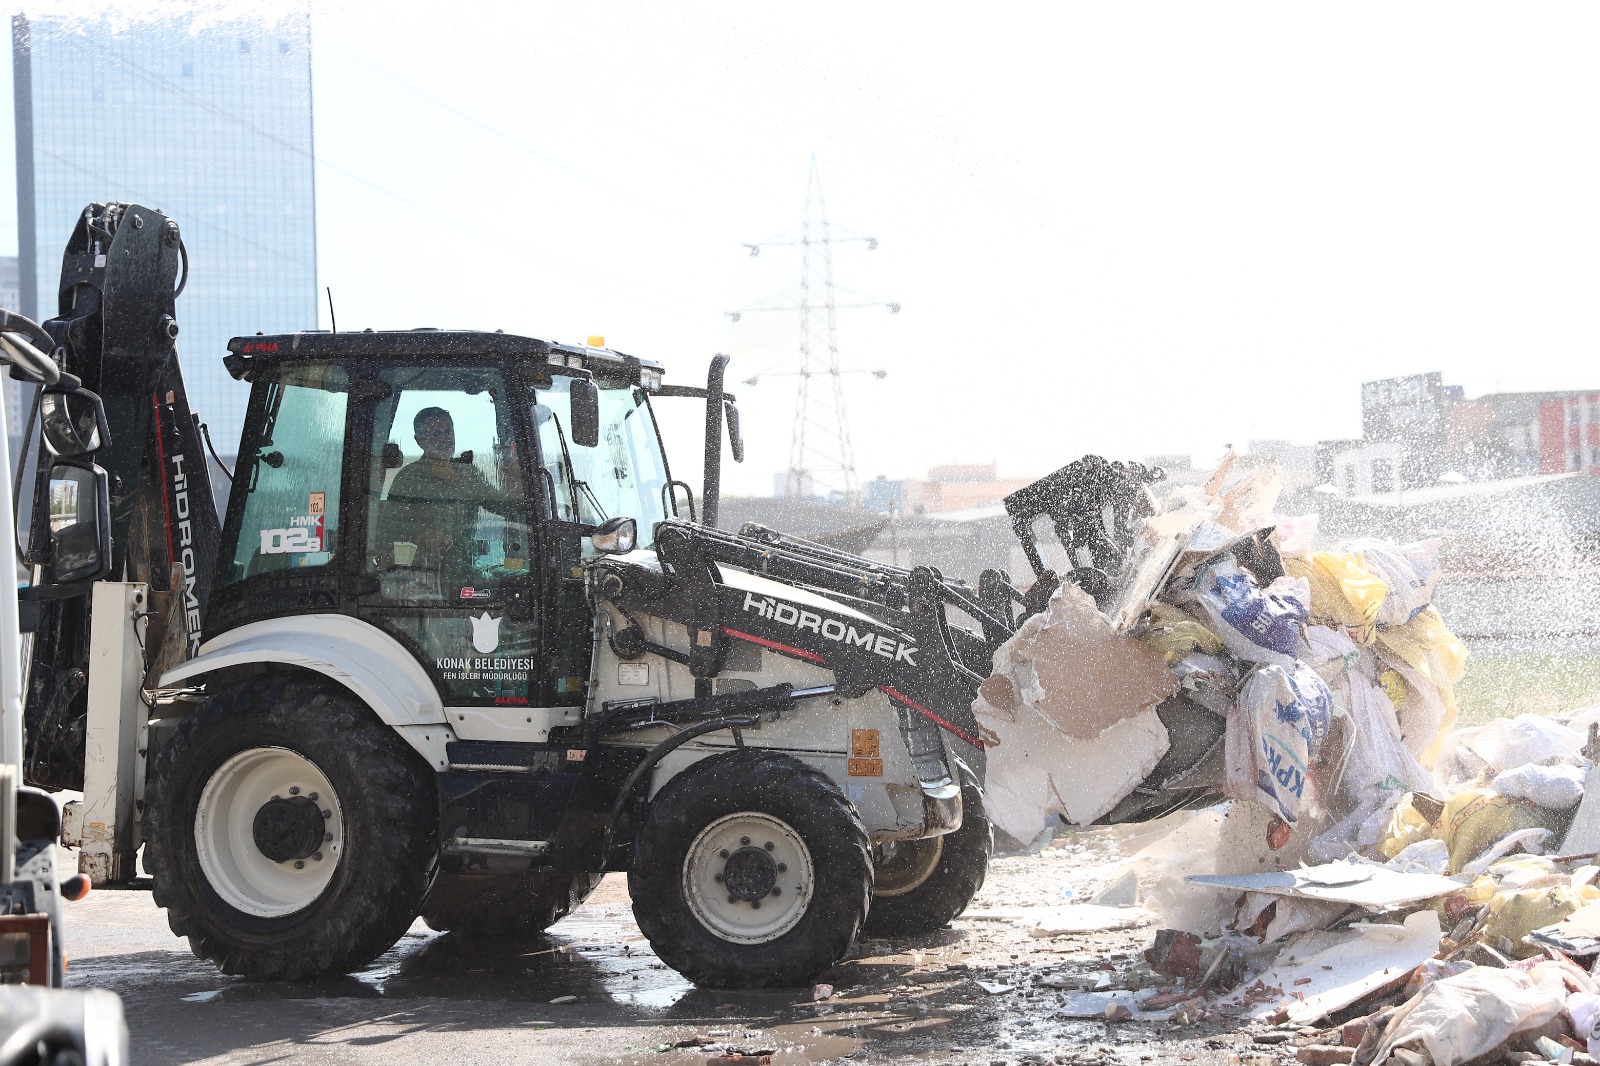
[(445, 509), (624, 475), (290, 471)]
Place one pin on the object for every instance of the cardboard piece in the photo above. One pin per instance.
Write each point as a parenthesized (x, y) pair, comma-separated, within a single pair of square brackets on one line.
[(1082, 675), (1359, 884), (1323, 972)]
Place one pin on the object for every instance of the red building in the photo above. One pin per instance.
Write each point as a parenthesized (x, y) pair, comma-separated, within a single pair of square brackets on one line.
[(1569, 433)]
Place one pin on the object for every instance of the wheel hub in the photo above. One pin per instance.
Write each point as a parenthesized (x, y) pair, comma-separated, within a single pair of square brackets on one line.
[(750, 874), (268, 831), (748, 877), (287, 829)]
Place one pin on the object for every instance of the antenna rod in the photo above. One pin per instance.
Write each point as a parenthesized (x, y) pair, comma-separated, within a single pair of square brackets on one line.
[(333, 320)]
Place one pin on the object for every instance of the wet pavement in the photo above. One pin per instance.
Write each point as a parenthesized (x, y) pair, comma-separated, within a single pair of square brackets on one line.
[(592, 991)]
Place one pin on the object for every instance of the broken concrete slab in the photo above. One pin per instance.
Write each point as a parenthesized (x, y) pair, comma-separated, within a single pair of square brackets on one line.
[(1326, 971), (1359, 884)]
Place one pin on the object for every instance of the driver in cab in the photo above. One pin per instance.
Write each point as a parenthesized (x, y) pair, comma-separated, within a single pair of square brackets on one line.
[(433, 503)]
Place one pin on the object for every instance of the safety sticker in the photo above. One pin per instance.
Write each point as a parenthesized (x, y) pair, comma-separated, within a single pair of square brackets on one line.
[(866, 767), (318, 503), (864, 743), (633, 673)]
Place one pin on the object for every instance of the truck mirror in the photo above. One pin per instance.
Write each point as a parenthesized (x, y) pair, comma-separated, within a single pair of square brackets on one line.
[(80, 523), (74, 423), (735, 438), (585, 397), (615, 536)]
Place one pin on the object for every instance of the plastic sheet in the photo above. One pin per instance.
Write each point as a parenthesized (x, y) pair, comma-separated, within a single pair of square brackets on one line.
[(1460, 1018)]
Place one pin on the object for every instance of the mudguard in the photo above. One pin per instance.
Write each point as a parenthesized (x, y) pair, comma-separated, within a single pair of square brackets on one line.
[(359, 656)]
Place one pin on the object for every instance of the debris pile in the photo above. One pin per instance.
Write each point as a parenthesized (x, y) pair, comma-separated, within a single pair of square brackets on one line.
[(1367, 882)]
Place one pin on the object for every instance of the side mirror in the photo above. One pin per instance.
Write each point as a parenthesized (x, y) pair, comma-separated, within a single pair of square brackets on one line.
[(74, 423), (585, 398), (79, 508), (615, 536), (735, 438)]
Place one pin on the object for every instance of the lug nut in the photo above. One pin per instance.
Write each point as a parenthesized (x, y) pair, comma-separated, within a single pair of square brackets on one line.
[(776, 891), (732, 899), (745, 841), (769, 845), (783, 867), (299, 864), (294, 790), (312, 797), (317, 856), (327, 813), (717, 878), (326, 837), (755, 904), (723, 854)]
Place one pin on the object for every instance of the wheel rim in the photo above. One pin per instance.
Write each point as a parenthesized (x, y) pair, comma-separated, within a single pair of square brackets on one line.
[(255, 833), (908, 867), (748, 877)]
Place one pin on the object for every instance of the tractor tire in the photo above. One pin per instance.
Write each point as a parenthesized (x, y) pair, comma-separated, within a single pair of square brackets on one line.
[(290, 834), (929, 882), (751, 870), (477, 905)]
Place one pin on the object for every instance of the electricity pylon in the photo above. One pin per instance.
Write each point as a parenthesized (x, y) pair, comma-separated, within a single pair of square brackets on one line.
[(821, 459)]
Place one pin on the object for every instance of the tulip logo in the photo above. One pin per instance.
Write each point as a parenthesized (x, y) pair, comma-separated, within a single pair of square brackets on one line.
[(485, 633)]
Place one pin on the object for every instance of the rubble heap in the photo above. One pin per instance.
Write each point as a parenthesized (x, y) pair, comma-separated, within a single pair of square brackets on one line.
[(1425, 894)]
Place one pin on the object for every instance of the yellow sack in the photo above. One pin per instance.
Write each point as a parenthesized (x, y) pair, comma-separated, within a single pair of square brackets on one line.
[(1343, 592), (1427, 646), (1473, 820), (1407, 825), (1394, 686), (1517, 913), (1175, 633)]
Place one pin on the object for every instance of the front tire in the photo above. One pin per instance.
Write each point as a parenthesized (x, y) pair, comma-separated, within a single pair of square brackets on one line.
[(929, 882), (750, 871), (290, 834)]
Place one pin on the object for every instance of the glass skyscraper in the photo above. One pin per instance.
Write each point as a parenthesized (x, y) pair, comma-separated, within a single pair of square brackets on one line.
[(211, 125)]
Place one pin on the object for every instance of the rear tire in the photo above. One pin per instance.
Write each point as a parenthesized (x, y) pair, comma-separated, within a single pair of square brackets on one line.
[(265, 881), (750, 871), (501, 904), (910, 898)]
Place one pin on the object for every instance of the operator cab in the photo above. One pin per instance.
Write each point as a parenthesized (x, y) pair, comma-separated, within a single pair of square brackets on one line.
[(442, 486)]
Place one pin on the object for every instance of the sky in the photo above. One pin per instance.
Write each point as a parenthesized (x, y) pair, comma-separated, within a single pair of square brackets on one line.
[(1127, 229)]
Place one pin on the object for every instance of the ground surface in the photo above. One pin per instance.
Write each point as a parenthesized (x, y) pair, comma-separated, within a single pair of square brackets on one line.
[(432, 999)]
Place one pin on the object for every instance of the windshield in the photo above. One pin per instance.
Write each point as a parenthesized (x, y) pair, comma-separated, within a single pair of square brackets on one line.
[(624, 475)]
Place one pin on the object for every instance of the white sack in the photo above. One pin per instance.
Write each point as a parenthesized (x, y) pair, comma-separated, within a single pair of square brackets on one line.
[(1461, 1017), (1553, 787), (1528, 738)]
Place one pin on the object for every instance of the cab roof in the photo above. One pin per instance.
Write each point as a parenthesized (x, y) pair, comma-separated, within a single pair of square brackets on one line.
[(435, 344)]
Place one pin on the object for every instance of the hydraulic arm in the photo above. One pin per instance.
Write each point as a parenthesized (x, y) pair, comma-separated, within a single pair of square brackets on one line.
[(116, 330)]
